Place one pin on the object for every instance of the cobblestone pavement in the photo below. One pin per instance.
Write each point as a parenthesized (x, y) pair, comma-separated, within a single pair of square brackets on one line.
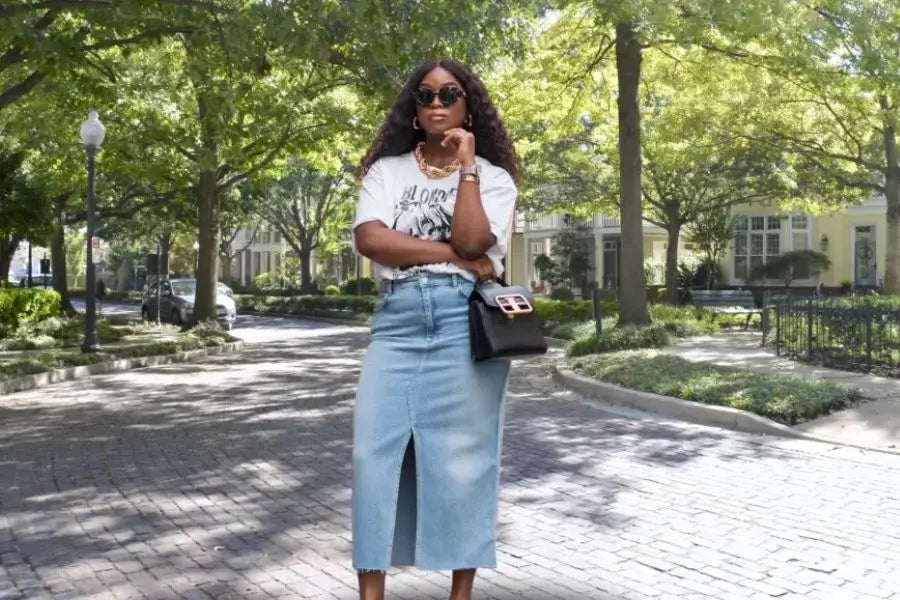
[(229, 479)]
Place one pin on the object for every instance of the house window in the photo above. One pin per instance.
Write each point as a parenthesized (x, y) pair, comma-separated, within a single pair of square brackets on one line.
[(256, 264), (277, 256), (759, 238), (756, 239), (276, 236)]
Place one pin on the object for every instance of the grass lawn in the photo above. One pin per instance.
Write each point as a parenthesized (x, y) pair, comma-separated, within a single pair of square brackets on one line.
[(778, 397)]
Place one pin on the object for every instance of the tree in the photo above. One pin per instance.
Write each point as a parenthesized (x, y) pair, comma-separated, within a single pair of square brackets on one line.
[(238, 214), (694, 163), (25, 210), (44, 40), (571, 259), (76, 258), (838, 78), (627, 30), (713, 233), (307, 207), (260, 81)]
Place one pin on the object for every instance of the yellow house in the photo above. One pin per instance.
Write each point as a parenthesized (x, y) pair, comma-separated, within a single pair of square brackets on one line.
[(854, 239), (533, 235)]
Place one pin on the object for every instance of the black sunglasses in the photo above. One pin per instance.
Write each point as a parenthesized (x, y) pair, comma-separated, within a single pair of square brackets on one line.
[(448, 95)]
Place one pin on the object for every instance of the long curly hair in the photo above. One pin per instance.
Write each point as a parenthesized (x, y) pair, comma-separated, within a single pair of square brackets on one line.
[(396, 135)]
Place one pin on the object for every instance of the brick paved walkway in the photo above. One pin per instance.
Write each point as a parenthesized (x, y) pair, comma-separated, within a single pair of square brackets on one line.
[(230, 480)]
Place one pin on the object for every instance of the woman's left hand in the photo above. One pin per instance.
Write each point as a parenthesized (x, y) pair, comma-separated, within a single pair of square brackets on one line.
[(464, 142)]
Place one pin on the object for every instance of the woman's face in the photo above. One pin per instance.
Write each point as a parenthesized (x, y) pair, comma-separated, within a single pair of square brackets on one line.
[(435, 118)]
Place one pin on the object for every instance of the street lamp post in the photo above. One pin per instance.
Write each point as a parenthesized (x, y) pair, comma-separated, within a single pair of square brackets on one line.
[(92, 133)]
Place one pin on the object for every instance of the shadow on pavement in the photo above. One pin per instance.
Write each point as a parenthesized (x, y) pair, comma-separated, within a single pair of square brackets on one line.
[(231, 477)]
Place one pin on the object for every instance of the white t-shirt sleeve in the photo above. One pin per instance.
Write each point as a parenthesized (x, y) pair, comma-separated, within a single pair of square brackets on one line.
[(373, 203), (498, 197)]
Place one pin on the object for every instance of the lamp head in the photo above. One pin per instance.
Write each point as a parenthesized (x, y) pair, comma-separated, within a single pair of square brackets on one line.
[(92, 131)]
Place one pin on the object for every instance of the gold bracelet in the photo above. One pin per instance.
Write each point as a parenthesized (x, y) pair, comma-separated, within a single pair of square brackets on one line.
[(469, 177)]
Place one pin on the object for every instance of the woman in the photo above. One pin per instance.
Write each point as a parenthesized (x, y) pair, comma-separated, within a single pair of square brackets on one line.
[(434, 214)]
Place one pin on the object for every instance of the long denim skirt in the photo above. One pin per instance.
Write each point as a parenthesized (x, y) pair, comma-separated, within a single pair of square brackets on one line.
[(427, 434)]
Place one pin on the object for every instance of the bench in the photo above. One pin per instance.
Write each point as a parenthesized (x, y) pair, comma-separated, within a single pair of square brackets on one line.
[(726, 302)]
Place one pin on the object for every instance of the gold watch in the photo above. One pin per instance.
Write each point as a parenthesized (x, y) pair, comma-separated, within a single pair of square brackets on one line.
[(471, 170), (469, 177)]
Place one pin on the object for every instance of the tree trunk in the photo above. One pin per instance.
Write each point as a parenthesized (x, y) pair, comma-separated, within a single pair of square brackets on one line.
[(892, 192), (58, 258), (673, 295), (165, 247), (207, 254), (633, 290), (306, 281), (226, 266), (8, 246), (209, 202)]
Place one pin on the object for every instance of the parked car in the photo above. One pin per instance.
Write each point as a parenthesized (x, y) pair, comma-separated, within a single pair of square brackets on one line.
[(177, 305)]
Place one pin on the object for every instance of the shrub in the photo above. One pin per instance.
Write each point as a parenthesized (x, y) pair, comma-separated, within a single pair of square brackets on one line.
[(562, 294), (340, 306), (784, 399), (681, 329), (332, 290), (566, 331), (26, 305), (701, 320), (551, 313), (348, 288), (59, 331), (265, 281), (628, 337)]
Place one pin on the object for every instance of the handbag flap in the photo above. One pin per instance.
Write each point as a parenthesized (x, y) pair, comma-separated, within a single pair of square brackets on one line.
[(488, 292)]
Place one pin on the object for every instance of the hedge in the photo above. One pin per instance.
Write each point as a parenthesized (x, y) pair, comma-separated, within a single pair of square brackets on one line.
[(24, 305), (779, 397), (353, 307), (550, 313), (628, 337)]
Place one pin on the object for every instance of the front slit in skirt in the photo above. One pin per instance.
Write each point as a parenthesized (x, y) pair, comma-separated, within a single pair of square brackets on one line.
[(427, 434)]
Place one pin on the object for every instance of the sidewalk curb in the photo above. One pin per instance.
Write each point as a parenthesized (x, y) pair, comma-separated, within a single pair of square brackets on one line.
[(333, 320), (694, 412), (38, 380)]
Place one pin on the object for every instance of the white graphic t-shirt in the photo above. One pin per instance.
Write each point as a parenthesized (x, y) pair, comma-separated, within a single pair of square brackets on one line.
[(398, 194)]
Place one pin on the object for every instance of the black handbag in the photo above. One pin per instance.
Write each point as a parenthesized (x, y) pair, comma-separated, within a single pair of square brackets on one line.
[(502, 323)]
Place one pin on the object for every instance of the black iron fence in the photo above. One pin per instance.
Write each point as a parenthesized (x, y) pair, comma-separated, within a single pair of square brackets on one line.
[(857, 333)]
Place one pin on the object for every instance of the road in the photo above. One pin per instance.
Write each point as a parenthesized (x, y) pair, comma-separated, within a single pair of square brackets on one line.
[(230, 479)]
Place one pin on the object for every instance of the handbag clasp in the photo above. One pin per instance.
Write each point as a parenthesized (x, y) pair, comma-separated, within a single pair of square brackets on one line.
[(513, 304)]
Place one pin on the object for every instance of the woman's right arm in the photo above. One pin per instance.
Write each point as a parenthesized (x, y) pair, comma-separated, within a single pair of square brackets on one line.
[(392, 248), (373, 238)]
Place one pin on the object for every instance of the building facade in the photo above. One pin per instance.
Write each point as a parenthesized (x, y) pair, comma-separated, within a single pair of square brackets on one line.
[(854, 240), (533, 236)]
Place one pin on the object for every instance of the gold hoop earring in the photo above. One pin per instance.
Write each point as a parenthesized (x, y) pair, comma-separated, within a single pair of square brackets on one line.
[(416, 123), (468, 120)]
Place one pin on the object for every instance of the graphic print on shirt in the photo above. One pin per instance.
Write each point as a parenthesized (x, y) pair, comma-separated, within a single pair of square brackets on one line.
[(425, 213)]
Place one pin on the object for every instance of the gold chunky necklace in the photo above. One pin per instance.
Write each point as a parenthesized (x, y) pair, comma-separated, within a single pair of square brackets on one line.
[(430, 171)]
